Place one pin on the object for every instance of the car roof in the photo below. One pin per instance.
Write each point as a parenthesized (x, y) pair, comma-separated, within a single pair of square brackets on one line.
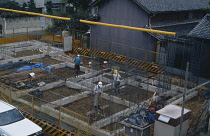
[(5, 106)]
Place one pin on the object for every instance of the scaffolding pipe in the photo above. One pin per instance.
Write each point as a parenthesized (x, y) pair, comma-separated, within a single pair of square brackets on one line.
[(92, 22), (184, 95), (35, 14), (128, 27)]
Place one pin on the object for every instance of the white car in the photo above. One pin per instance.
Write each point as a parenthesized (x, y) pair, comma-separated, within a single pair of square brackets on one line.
[(13, 123)]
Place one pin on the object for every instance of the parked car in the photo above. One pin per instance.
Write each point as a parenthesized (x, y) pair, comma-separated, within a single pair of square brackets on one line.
[(13, 123)]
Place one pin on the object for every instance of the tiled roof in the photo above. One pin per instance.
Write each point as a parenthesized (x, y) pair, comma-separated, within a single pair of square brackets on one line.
[(3, 1), (54, 1), (172, 5), (202, 30), (169, 5), (95, 2), (180, 29)]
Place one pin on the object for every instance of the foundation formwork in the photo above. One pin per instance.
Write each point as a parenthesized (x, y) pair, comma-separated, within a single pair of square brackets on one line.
[(69, 99)]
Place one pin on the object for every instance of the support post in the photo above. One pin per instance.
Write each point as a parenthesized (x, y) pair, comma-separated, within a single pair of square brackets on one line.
[(33, 105), (59, 117), (27, 32), (158, 52), (183, 103), (13, 32), (10, 96)]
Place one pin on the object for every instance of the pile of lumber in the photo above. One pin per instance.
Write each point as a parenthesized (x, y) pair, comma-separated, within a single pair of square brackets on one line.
[(23, 76)]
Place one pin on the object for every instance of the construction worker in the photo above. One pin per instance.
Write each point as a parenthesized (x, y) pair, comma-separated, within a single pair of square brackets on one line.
[(98, 89), (117, 77), (77, 62)]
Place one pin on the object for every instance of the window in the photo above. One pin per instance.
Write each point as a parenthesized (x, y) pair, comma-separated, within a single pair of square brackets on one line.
[(95, 10), (10, 116), (190, 15)]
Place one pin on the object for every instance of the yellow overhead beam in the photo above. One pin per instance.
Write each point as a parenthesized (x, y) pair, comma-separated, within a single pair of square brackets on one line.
[(129, 27), (35, 14), (92, 22)]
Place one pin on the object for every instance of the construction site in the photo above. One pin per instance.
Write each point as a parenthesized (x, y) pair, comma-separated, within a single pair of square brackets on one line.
[(37, 75)]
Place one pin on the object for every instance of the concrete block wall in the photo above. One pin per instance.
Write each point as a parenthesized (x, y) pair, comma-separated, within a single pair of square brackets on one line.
[(64, 58), (77, 86), (71, 98), (116, 99), (22, 58), (50, 85), (60, 65), (20, 24)]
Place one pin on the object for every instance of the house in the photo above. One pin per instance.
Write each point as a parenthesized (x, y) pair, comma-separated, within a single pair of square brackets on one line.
[(4, 1), (41, 4), (202, 33), (57, 5), (179, 16)]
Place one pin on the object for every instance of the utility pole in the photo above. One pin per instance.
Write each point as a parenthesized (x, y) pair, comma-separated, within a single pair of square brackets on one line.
[(183, 102)]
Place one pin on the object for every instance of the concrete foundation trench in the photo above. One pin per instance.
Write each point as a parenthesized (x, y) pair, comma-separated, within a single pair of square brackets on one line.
[(60, 87)]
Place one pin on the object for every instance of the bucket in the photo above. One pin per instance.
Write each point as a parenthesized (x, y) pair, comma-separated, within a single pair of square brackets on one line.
[(105, 63)]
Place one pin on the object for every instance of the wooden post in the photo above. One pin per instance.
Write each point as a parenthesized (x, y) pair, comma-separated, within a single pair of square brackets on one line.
[(10, 96), (13, 31), (27, 33), (32, 105), (157, 52), (59, 117)]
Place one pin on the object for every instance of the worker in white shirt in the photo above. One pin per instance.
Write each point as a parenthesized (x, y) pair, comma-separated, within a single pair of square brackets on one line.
[(98, 89)]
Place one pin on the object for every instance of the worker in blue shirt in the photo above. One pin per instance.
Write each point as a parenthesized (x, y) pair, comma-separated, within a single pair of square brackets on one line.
[(77, 62)]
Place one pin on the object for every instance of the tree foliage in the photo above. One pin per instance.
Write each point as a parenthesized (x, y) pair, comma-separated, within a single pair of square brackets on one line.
[(31, 6), (10, 5), (77, 5), (208, 9), (49, 7), (24, 6), (76, 10), (14, 5)]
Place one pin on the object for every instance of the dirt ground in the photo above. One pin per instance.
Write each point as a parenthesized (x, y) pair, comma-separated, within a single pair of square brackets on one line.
[(131, 93), (66, 72), (53, 94), (113, 126), (27, 53), (195, 104), (85, 105), (7, 71), (46, 60)]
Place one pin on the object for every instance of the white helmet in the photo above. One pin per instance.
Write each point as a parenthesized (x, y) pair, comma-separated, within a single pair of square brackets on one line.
[(78, 55), (100, 84)]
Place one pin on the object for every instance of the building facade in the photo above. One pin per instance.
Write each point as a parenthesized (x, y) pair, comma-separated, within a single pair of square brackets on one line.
[(179, 16), (41, 4)]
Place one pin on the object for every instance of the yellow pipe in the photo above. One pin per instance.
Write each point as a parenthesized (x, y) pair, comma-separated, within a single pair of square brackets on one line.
[(91, 22), (129, 27), (35, 14)]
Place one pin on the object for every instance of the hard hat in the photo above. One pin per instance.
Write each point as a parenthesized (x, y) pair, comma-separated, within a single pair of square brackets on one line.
[(115, 72), (100, 83), (78, 55)]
